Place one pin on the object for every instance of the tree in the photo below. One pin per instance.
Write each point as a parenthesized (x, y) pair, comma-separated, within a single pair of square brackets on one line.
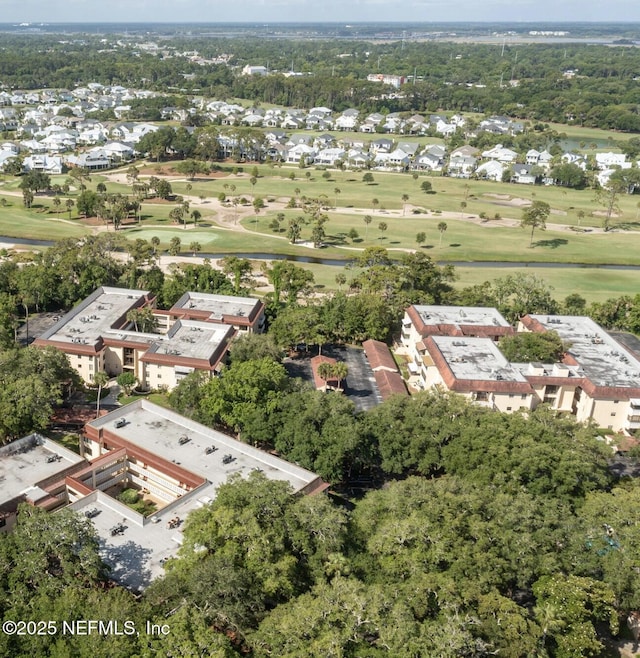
[(191, 168), (174, 246), (340, 370), (100, 379), (325, 372), (336, 192), (421, 238), (569, 175), (127, 380), (367, 219), (374, 204), (426, 186), (57, 203), (242, 390), (367, 178), (535, 217), (27, 197), (382, 227), (196, 215), (195, 247), (251, 347), (294, 230), (405, 198), (579, 604), (288, 278), (69, 203), (240, 269), (546, 347), (142, 319), (442, 227)]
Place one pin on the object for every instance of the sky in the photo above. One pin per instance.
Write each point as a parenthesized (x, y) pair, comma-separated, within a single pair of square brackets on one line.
[(274, 11)]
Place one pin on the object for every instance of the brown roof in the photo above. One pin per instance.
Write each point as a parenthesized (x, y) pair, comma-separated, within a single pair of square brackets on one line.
[(379, 356), (317, 380), (390, 383)]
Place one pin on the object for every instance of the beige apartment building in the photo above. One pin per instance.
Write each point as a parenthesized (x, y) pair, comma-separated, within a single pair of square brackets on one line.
[(455, 348), (194, 335)]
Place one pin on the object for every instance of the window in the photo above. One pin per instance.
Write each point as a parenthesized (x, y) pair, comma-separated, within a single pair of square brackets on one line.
[(509, 408), (613, 413), (523, 396)]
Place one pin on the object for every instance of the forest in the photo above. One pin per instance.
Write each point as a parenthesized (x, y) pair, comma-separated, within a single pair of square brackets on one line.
[(519, 80)]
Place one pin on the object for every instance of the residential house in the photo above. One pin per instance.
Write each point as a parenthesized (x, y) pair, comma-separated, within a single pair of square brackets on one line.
[(523, 174), (329, 156), (501, 154), (49, 164), (490, 170), (348, 120)]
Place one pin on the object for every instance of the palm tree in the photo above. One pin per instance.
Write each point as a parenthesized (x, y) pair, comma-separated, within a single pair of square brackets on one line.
[(196, 215), (367, 220), (101, 379), (56, 204), (442, 227), (69, 203), (155, 241), (325, 372), (336, 191), (195, 247), (340, 371), (374, 204), (405, 198), (382, 227)]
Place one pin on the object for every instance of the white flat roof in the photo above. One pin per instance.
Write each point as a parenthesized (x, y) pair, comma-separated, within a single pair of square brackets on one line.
[(30, 460), (191, 339), (457, 315), (477, 359), (158, 430), (137, 555), (216, 305), (605, 362), (94, 316)]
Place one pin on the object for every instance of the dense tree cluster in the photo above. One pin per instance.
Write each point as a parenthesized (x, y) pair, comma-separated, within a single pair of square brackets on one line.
[(459, 77)]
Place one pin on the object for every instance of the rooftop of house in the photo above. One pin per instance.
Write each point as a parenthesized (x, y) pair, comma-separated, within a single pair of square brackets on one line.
[(136, 554), (30, 460), (217, 306), (605, 362), (460, 316), (190, 339), (158, 430), (93, 317), (476, 359)]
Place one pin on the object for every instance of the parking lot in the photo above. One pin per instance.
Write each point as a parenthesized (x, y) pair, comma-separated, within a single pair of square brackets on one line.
[(37, 325), (360, 386)]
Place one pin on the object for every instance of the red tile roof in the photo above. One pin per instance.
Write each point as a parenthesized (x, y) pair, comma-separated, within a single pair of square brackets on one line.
[(379, 356)]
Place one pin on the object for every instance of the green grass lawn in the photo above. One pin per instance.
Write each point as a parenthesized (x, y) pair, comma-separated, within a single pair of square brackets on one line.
[(157, 398), (595, 285), (464, 240), (19, 222)]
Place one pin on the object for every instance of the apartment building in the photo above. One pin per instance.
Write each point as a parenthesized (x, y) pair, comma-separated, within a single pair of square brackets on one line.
[(194, 335), (599, 376), (455, 347)]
